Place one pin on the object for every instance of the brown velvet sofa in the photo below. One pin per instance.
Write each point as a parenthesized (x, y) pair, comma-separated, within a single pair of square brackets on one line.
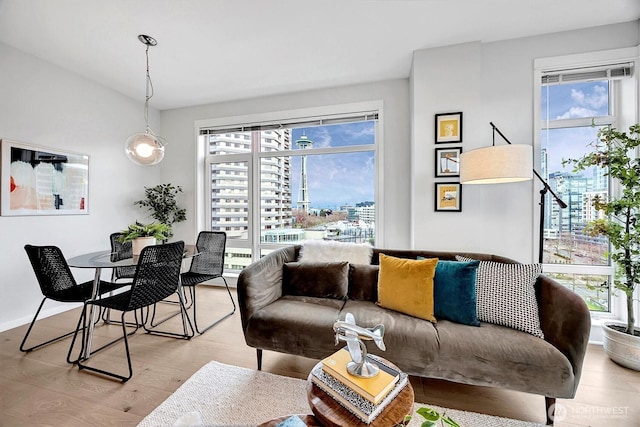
[(278, 319)]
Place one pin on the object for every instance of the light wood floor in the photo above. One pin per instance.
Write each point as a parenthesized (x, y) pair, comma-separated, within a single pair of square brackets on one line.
[(40, 388)]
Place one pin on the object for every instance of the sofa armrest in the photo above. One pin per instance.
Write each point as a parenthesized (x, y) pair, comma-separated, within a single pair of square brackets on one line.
[(565, 320), (260, 283)]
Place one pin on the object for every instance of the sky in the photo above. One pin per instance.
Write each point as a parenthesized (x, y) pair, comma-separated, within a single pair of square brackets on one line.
[(570, 101), (336, 179)]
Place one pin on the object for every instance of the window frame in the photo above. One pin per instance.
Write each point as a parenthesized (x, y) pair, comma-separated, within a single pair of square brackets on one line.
[(332, 113), (621, 121)]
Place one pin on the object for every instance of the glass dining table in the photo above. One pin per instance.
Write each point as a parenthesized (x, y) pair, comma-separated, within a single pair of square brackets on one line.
[(101, 260)]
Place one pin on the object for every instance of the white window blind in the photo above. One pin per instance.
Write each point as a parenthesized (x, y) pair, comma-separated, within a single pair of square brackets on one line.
[(294, 123), (603, 72)]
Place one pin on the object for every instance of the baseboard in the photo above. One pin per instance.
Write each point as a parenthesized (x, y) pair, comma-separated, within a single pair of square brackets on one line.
[(46, 312), (595, 337)]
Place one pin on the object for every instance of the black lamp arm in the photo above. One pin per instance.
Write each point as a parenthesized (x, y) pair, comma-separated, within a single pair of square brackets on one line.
[(546, 186)]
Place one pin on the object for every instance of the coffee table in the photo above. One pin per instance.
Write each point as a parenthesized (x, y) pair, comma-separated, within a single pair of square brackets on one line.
[(331, 414)]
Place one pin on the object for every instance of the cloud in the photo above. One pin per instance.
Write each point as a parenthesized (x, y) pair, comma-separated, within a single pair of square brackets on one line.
[(577, 112), (322, 138), (597, 98), (367, 131)]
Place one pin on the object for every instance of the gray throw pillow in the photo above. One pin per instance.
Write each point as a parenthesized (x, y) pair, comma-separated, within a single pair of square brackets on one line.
[(363, 282), (505, 295), (316, 279)]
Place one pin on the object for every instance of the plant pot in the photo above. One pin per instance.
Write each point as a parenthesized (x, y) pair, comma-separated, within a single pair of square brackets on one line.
[(622, 348), (139, 243)]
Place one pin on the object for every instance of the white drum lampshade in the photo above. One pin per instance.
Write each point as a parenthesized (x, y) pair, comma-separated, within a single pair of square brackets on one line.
[(497, 164)]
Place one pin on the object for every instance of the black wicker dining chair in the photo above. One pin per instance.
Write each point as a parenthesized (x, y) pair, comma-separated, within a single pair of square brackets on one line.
[(58, 284), (208, 264), (120, 251), (156, 278)]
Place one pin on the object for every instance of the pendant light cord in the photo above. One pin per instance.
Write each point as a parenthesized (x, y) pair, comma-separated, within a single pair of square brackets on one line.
[(148, 93)]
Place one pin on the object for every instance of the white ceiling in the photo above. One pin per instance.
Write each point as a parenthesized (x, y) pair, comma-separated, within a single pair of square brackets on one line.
[(217, 50)]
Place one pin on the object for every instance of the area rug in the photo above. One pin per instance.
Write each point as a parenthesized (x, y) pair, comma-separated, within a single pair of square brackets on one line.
[(225, 395)]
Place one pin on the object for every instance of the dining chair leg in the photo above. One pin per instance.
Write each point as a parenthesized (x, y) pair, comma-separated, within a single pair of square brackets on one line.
[(81, 325), (33, 322), (183, 301), (195, 316), (109, 373), (81, 321), (153, 323), (106, 318), (181, 298), (185, 322)]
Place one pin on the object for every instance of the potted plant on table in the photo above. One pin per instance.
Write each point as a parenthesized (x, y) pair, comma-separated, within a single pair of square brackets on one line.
[(617, 152), (141, 235), (161, 202)]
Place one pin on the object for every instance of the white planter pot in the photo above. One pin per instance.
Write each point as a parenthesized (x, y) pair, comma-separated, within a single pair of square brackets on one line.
[(624, 349), (141, 242)]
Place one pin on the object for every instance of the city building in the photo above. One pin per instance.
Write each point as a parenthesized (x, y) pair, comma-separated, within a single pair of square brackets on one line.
[(229, 182)]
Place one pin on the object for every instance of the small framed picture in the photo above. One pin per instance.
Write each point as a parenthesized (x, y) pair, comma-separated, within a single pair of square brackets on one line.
[(448, 162), (448, 197), (448, 127)]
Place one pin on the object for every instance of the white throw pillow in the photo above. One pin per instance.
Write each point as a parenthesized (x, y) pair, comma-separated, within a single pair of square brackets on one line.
[(331, 251), (505, 295)]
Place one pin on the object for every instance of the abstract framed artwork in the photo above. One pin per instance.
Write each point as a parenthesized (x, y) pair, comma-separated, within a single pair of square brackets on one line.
[(448, 127), (42, 181), (448, 197), (448, 162)]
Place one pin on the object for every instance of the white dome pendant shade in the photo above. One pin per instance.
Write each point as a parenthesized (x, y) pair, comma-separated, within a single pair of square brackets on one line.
[(145, 149), (497, 164)]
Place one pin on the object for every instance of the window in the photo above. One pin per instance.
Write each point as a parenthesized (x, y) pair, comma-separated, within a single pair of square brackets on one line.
[(574, 105), (282, 184)]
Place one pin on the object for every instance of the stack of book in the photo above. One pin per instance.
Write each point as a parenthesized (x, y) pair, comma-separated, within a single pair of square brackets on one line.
[(366, 398)]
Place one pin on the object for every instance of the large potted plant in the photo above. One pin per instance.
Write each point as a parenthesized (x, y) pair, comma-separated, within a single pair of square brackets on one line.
[(162, 204), (141, 235), (617, 152)]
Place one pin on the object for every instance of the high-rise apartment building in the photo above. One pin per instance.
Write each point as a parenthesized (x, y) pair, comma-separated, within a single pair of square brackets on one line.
[(230, 186)]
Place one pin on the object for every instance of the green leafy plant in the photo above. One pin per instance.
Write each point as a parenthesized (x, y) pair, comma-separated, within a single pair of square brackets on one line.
[(431, 417), (615, 151), (161, 202), (158, 230)]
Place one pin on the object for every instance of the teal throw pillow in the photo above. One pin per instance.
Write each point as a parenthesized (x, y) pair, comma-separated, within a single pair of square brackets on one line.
[(454, 291)]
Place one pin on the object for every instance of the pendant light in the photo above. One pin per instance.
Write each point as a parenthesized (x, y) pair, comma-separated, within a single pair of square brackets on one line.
[(145, 149)]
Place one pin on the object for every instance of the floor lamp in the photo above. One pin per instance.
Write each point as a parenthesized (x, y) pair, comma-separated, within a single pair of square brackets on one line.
[(503, 164)]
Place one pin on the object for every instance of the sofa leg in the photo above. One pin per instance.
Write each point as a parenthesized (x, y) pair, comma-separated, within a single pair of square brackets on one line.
[(259, 356), (550, 403)]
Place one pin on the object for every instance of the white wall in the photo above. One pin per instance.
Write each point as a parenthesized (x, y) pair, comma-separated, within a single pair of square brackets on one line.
[(180, 168), (45, 105), (488, 82)]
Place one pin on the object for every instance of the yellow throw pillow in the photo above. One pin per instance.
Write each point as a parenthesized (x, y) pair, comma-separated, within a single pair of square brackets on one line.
[(406, 285)]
